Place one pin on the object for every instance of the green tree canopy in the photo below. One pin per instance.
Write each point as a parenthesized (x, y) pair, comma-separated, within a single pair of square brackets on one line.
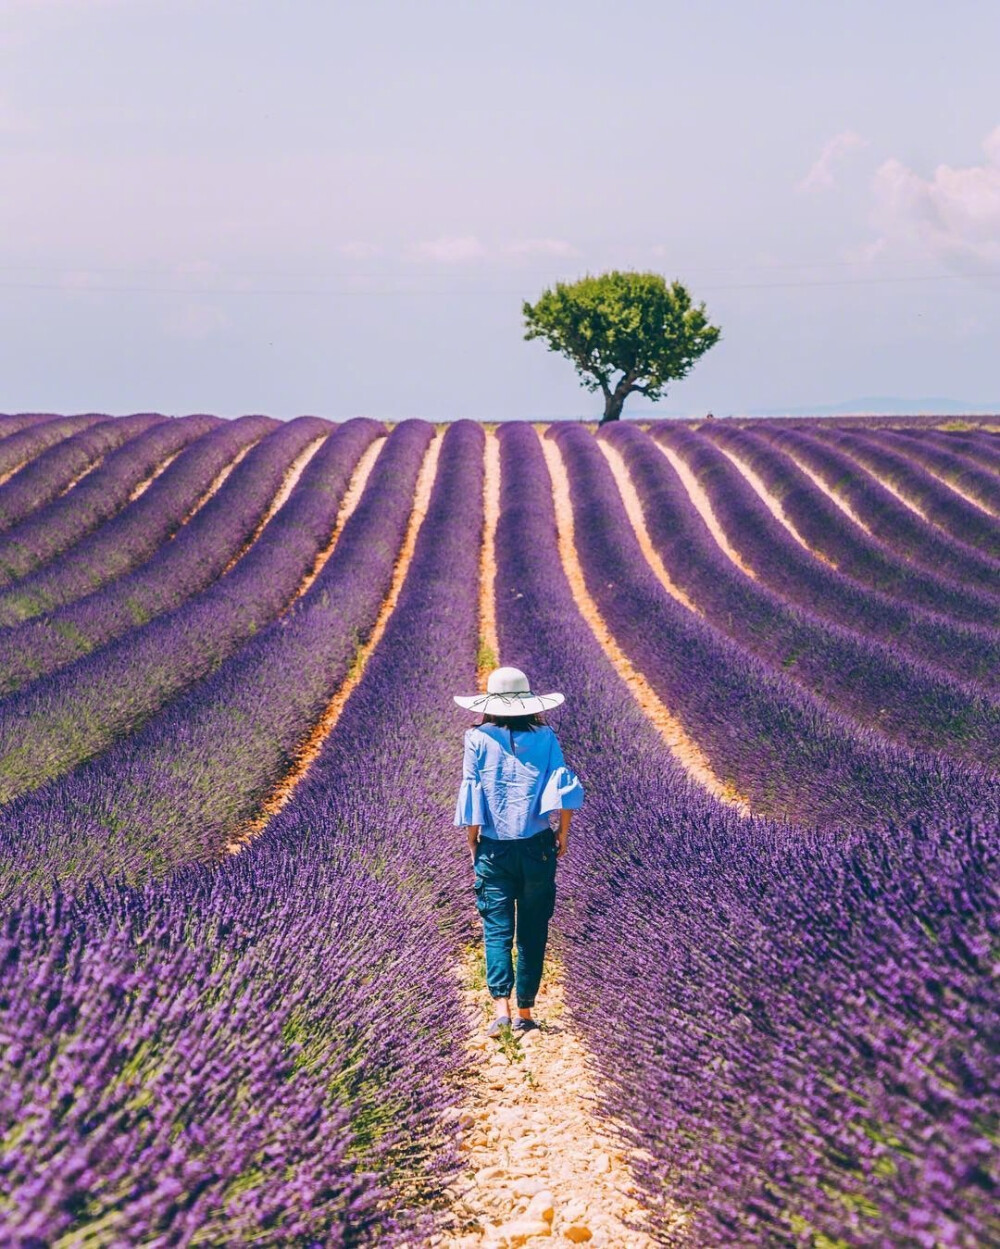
[(626, 333)]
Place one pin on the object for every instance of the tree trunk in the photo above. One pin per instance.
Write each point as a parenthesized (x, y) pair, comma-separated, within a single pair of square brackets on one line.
[(613, 405)]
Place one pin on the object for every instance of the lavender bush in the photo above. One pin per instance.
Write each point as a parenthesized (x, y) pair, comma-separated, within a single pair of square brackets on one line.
[(401, 809), (779, 746), (877, 685), (319, 1100), (948, 461), (982, 448), (797, 1025), (174, 792), (217, 535), (13, 424), (799, 1029), (942, 506), (967, 652), (205, 1060), (24, 444), (893, 522), (51, 530), (135, 534), (57, 468), (921, 566), (81, 710)]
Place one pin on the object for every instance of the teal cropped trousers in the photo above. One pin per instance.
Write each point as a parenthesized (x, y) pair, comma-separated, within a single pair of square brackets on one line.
[(515, 886)]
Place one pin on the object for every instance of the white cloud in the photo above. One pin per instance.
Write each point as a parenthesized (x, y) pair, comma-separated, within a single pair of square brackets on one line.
[(821, 174), (952, 216), (541, 247), (451, 250)]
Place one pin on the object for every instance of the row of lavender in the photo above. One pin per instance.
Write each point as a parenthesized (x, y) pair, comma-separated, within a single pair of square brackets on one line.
[(787, 751), (895, 554), (924, 421), (342, 766), (922, 710), (798, 1029), (103, 492), (942, 546), (879, 685), (135, 533), (176, 790), (81, 709), (255, 1050)]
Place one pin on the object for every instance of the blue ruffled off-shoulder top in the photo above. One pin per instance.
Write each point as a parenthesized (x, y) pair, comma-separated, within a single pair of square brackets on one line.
[(512, 779)]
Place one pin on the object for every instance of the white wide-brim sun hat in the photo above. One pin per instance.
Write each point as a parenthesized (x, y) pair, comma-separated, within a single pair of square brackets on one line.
[(508, 694)]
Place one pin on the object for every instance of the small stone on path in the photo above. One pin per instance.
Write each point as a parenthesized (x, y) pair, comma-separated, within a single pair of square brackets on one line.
[(578, 1233)]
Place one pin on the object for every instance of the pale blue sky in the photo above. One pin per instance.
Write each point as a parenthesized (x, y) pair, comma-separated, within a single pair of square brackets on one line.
[(239, 205)]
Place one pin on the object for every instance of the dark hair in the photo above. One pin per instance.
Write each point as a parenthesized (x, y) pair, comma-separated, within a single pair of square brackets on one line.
[(531, 722)]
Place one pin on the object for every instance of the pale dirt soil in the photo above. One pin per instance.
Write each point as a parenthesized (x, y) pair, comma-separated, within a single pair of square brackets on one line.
[(313, 743), (888, 485), (773, 504), (700, 499), (688, 753), (146, 482), (219, 480), (5, 477), (80, 476), (823, 488), (638, 521), (489, 643), (288, 484), (963, 494), (539, 1164)]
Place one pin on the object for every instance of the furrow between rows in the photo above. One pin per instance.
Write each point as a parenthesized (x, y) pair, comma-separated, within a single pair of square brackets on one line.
[(135, 534), (873, 684), (76, 713), (206, 765), (57, 469), (977, 487), (715, 965), (25, 445), (106, 489), (349, 505), (920, 490), (774, 505), (904, 556), (489, 646), (309, 749), (778, 745), (637, 518), (288, 484), (532, 1124), (879, 610), (704, 506), (186, 566), (684, 748)]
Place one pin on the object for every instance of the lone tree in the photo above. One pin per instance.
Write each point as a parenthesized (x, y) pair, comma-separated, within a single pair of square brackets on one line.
[(634, 325)]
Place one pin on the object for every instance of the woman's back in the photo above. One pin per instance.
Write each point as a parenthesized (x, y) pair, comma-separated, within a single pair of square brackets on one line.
[(511, 780)]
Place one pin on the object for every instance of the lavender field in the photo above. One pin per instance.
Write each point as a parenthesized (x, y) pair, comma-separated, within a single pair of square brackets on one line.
[(233, 910)]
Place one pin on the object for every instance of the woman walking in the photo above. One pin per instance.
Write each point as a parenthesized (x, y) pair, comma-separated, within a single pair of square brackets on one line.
[(513, 777)]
